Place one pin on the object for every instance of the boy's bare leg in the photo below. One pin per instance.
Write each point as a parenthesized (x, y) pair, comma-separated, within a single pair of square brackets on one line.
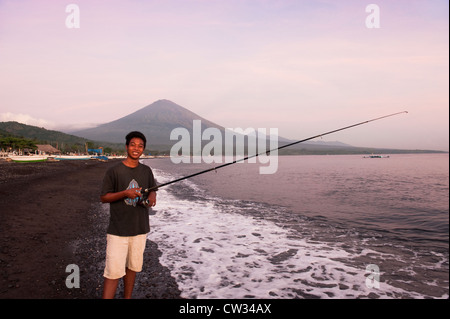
[(109, 288), (128, 283)]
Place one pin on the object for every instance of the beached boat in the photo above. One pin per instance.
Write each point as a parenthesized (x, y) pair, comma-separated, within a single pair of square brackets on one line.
[(28, 158), (102, 158), (72, 157)]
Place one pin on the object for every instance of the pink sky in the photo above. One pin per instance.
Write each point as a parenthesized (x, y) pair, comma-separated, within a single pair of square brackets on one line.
[(304, 67)]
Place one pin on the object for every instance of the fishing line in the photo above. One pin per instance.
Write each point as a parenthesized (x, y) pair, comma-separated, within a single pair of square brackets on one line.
[(148, 190)]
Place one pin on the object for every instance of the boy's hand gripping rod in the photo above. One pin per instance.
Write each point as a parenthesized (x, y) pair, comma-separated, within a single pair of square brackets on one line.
[(155, 188)]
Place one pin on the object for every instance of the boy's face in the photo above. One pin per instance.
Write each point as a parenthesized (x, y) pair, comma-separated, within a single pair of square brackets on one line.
[(135, 148)]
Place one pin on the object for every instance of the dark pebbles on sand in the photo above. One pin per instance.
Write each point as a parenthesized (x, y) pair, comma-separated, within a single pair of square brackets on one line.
[(50, 218)]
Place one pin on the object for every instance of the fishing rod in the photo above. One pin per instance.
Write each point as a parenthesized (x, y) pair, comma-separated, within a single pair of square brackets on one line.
[(154, 188)]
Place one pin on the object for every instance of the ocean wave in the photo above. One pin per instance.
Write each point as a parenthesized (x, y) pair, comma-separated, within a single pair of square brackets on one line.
[(219, 248)]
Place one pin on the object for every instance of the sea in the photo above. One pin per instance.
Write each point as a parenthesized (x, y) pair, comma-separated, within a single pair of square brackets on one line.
[(325, 226)]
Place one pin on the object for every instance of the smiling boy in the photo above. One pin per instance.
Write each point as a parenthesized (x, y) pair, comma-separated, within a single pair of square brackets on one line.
[(129, 220)]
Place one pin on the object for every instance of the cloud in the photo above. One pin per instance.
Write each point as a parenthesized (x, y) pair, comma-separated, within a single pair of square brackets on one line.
[(25, 119)]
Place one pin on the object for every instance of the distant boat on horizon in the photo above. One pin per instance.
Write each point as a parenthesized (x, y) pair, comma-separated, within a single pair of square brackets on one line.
[(376, 156)]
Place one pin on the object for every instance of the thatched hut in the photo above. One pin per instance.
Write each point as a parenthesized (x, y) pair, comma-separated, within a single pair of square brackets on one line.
[(47, 149)]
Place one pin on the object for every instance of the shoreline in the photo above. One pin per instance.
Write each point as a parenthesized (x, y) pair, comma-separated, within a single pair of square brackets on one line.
[(51, 217)]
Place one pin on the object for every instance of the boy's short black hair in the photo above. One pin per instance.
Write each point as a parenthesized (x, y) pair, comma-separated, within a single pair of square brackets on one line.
[(134, 134)]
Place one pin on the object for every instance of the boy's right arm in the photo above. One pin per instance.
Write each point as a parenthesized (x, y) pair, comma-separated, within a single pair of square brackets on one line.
[(128, 193)]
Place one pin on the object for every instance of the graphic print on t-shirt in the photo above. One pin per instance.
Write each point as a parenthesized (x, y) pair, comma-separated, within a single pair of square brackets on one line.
[(129, 201)]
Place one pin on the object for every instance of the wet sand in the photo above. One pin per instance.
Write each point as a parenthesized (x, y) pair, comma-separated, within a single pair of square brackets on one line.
[(51, 217)]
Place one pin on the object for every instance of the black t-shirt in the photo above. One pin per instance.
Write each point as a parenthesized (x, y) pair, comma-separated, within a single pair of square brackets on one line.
[(127, 217)]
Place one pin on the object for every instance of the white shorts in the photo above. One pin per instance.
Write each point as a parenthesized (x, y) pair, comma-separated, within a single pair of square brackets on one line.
[(124, 252)]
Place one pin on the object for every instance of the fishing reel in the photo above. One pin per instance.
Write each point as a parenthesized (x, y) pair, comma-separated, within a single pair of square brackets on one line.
[(143, 200)]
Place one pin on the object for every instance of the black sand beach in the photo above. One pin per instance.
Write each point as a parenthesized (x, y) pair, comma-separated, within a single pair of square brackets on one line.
[(50, 218)]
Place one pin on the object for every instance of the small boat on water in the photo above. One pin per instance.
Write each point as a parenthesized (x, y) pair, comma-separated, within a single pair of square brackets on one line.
[(376, 156), (28, 158)]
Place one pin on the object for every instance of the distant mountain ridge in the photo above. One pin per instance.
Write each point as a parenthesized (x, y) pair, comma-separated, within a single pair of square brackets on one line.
[(156, 121), (63, 141), (159, 119), (39, 133)]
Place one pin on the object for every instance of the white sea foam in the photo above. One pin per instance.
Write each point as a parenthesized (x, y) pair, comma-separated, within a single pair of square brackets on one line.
[(214, 252)]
